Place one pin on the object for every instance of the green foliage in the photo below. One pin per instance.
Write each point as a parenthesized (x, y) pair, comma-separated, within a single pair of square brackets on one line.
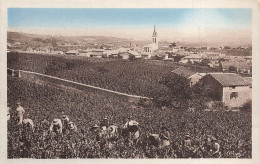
[(205, 62), (178, 92), (247, 107), (87, 108), (232, 69)]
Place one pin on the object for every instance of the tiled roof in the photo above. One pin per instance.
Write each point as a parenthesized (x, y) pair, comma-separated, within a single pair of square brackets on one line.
[(240, 65), (160, 53), (229, 79), (184, 71), (193, 56)]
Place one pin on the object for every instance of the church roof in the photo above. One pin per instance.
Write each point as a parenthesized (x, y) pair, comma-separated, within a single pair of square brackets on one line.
[(154, 32)]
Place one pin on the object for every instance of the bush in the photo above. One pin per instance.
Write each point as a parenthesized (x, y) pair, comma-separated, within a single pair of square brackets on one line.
[(247, 106)]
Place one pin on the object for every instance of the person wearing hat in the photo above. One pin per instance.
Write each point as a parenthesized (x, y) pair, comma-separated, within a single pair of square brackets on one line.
[(187, 141), (65, 122), (95, 127), (104, 123), (56, 126), (215, 147), (19, 112), (164, 137)]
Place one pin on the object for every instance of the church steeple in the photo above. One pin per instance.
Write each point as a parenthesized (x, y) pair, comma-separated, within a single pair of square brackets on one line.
[(154, 32), (154, 37)]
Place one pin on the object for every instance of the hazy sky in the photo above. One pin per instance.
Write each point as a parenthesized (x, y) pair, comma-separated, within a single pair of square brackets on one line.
[(180, 24)]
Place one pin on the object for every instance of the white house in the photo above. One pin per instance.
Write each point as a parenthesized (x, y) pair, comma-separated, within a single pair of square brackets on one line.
[(230, 88), (191, 58)]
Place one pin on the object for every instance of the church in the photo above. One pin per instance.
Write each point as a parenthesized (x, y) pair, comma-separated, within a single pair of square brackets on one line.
[(150, 48)]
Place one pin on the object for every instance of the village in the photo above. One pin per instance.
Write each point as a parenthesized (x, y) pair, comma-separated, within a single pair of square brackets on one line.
[(229, 80)]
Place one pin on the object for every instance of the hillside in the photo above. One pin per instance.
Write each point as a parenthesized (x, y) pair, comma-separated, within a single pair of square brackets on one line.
[(47, 40)]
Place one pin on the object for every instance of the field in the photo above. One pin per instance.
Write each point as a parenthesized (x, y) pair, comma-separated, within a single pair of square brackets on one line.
[(43, 101), (140, 77)]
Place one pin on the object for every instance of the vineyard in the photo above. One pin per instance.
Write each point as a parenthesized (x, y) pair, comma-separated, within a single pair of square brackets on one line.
[(42, 101), (139, 77)]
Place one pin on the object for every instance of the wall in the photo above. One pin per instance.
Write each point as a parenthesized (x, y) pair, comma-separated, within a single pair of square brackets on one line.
[(244, 95), (215, 88), (37, 77)]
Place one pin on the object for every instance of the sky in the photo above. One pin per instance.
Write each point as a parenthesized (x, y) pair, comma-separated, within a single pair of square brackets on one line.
[(135, 23)]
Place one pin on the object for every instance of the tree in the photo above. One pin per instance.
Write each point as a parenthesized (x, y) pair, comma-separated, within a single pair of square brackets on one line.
[(232, 68), (132, 58), (205, 62), (176, 93), (172, 45)]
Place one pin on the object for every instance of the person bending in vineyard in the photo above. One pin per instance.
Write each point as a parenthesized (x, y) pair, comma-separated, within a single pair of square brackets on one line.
[(65, 122), (165, 137), (215, 148), (187, 146), (104, 123), (131, 130), (19, 113)]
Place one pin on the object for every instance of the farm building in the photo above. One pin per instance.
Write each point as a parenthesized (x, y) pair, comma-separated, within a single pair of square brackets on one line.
[(126, 55), (230, 88), (57, 52), (110, 53), (242, 67), (72, 52), (193, 76), (84, 53), (96, 53), (191, 58), (135, 54)]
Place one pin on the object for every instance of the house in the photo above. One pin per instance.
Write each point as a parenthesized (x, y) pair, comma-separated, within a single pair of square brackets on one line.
[(191, 58), (146, 55), (193, 76), (242, 67), (248, 59), (29, 49), (135, 54), (84, 53), (230, 88), (126, 55), (96, 53), (161, 55), (57, 52), (72, 52), (111, 53)]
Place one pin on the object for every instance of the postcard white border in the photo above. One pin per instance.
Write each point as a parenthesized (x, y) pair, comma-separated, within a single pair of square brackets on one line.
[(254, 4)]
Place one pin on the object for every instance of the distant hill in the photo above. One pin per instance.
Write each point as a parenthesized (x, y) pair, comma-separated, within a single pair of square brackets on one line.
[(48, 40)]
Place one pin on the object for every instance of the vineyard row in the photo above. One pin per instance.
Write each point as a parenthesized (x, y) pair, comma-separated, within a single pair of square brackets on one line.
[(19, 73)]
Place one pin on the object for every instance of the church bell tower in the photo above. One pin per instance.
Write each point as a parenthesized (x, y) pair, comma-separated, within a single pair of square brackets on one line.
[(154, 37)]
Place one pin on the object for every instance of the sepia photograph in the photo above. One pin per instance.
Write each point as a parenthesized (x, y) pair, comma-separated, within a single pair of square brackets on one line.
[(129, 83)]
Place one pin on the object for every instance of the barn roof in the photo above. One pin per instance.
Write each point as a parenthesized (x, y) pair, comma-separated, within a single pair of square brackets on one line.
[(184, 71), (229, 79)]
